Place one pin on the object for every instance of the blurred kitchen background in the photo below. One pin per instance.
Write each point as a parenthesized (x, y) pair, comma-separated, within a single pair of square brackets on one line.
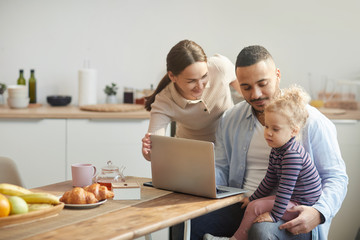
[(126, 41)]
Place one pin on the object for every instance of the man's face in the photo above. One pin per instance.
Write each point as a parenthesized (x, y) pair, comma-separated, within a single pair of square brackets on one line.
[(259, 83)]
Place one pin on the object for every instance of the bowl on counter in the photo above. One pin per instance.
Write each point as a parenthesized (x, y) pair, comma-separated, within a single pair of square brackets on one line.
[(16, 102), (58, 100), (17, 91), (17, 88)]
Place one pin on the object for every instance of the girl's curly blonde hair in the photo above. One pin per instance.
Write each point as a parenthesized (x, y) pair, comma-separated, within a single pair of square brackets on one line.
[(291, 103)]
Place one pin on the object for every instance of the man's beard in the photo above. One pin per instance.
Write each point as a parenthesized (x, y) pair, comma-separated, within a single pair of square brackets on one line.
[(255, 100)]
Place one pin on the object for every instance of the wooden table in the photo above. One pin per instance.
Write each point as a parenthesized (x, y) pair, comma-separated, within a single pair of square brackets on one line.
[(133, 221)]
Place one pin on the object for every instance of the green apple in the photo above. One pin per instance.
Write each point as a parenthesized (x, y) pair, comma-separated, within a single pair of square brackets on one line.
[(17, 205)]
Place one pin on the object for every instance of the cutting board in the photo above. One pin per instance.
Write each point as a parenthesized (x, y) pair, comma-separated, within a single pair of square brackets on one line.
[(332, 111), (31, 216), (113, 107)]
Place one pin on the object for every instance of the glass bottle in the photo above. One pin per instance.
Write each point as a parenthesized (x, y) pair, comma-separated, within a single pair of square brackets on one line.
[(21, 80), (32, 86)]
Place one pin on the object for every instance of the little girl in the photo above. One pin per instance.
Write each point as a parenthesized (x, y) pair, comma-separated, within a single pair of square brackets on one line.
[(290, 172)]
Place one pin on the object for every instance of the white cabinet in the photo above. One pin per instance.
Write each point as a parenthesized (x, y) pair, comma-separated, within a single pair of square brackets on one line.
[(38, 148), (346, 223), (98, 141), (44, 149)]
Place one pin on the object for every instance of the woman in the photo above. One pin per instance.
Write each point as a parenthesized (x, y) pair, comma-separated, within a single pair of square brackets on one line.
[(194, 93)]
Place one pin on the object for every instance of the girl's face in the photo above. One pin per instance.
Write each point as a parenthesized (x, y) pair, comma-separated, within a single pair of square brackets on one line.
[(277, 130), (191, 82)]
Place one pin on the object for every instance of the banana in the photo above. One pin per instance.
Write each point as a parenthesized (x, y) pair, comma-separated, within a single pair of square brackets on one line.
[(12, 190), (40, 197), (38, 206)]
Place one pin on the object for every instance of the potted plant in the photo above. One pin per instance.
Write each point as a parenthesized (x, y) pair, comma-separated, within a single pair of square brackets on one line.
[(2, 90), (111, 91)]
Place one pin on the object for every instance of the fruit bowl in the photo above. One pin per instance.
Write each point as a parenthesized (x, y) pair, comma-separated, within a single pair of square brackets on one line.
[(58, 100), (31, 216)]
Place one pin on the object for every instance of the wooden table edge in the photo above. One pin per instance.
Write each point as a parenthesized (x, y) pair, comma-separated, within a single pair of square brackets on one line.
[(111, 230)]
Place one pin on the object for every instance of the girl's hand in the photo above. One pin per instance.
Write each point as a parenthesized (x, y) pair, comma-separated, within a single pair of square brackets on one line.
[(265, 217), (146, 146), (245, 202)]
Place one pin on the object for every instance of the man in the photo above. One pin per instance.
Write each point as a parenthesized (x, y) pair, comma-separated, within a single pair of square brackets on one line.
[(242, 157)]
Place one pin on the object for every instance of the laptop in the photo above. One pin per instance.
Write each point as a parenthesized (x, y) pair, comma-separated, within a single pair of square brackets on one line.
[(186, 166)]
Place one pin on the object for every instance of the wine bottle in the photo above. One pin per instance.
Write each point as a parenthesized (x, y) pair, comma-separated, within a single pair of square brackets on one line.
[(32, 86), (21, 80)]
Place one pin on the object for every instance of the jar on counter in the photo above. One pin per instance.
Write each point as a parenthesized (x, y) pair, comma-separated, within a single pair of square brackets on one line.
[(139, 97), (110, 174), (128, 95)]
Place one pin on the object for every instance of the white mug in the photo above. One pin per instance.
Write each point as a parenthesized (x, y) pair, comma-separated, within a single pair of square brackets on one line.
[(82, 174)]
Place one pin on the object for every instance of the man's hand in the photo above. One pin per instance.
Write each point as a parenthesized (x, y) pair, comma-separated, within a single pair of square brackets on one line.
[(265, 217), (307, 220), (245, 202)]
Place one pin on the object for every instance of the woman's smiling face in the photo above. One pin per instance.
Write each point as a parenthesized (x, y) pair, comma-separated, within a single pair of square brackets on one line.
[(191, 82)]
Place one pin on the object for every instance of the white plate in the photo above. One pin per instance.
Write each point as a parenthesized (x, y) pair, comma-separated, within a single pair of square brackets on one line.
[(85, 206)]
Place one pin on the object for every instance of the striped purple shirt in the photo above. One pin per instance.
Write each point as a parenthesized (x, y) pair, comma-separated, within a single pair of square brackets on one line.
[(294, 174)]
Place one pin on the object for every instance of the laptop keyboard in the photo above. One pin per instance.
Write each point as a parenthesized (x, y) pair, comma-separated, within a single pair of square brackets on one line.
[(220, 191)]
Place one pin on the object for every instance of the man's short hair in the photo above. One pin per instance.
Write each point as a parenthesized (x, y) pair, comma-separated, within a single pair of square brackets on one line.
[(251, 55)]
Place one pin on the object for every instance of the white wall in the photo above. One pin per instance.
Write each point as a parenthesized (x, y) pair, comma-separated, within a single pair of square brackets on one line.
[(127, 40)]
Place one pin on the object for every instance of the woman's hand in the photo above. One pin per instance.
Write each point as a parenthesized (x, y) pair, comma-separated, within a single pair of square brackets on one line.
[(245, 202), (265, 217), (146, 146)]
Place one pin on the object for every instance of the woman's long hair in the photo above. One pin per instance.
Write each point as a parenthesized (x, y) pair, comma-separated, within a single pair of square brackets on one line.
[(183, 54)]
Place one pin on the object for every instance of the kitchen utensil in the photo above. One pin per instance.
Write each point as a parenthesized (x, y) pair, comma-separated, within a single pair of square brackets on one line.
[(82, 174), (18, 102), (58, 100), (121, 107), (128, 95), (317, 90), (31, 216), (85, 206), (110, 174), (18, 96)]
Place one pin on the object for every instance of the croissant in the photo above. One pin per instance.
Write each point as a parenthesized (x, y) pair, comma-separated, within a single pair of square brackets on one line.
[(100, 192), (78, 196)]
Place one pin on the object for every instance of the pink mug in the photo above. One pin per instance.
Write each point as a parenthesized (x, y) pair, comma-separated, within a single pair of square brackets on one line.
[(82, 174)]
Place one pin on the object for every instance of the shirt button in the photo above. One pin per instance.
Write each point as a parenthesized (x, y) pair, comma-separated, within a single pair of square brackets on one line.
[(205, 110)]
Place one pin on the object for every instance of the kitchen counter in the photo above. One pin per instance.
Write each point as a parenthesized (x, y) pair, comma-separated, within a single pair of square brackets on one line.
[(340, 114), (68, 112), (73, 112)]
